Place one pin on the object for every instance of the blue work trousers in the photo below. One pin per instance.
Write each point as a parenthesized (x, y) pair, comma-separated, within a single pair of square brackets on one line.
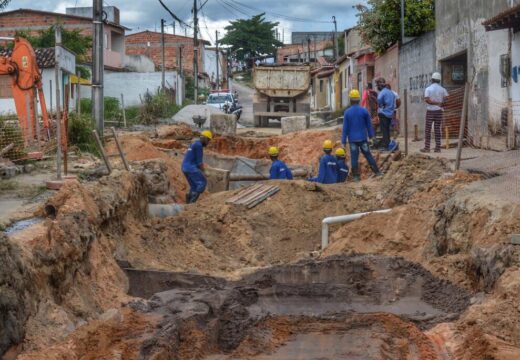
[(355, 148)]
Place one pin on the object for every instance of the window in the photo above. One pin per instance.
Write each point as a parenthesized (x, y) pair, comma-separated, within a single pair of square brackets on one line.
[(321, 85), (106, 41)]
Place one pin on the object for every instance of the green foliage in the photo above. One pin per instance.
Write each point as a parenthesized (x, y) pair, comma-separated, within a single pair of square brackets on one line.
[(341, 45), (10, 133), (80, 132), (71, 39), (190, 87), (250, 38), (112, 108), (4, 3), (380, 21), (157, 106), (132, 114)]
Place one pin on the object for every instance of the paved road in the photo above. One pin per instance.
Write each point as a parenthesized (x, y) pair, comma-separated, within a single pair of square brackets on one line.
[(245, 98)]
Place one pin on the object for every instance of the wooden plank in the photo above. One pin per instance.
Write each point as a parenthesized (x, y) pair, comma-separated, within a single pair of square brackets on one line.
[(262, 199), (253, 195), (243, 192)]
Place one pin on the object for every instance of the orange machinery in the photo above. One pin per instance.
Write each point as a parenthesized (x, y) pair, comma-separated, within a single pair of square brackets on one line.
[(26, 85)]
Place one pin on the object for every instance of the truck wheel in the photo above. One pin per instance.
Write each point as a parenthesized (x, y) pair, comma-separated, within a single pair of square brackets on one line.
[(258, 121), (265, 121)]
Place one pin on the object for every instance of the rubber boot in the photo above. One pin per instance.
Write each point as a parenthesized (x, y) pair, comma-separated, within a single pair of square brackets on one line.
[(188, 197), (193, 197)]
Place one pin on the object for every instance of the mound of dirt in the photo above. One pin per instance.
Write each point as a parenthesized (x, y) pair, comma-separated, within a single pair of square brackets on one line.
[(296, 148), (213, 237)]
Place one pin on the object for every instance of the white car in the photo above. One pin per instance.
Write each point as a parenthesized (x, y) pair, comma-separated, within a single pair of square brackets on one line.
[(218, 100)]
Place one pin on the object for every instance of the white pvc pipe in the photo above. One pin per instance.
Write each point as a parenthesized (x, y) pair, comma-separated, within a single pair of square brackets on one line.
[(342, 219)]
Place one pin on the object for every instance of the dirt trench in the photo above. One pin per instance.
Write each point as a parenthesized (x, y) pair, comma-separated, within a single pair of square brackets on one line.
[(225, 282)]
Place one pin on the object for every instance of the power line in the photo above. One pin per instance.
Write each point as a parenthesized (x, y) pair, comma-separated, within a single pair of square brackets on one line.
[(172, 14), (285, 17)]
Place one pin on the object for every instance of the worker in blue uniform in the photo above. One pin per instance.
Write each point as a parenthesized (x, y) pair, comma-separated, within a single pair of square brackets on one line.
[(328, 170), (342, 165), (357, 129), (279, 170), (193, 167)]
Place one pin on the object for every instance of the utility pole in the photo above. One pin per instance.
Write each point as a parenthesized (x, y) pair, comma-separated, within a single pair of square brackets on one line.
[(309, 48), (57, 35), (98, 66), (402, 21), (174, 28), (283, 36), (336, 46), (163, 58), (195, 50), (218, 63)]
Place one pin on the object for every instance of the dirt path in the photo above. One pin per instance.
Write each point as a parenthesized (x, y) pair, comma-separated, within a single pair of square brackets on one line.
[(245, 98)]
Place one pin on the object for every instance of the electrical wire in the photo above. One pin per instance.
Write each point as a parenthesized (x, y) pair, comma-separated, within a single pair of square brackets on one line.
[(282, 16)]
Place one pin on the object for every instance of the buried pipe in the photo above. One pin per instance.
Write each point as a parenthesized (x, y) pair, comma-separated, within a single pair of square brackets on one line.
[(342, 219), (260, 177)]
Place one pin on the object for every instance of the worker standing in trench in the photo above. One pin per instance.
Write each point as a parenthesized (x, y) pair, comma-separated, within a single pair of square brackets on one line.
[(279, 170), (193, 167), (328, 170), (357, 129)]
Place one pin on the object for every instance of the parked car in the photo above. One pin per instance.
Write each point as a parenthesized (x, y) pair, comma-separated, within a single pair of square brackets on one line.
[(218, 100)]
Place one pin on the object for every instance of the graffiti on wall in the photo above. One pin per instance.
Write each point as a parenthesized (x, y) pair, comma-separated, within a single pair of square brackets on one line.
[(418, 84)]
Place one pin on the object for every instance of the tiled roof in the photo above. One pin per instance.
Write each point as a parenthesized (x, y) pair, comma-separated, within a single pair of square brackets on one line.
[(504, 20), (44, 57)]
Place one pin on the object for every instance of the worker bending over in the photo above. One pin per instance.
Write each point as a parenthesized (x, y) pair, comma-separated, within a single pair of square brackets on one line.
[(193, 167), (357, 128), (279, 171), (328, 170), (342, 165)]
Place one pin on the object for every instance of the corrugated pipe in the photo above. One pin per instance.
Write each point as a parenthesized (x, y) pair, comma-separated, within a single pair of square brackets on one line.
[(342, 219)]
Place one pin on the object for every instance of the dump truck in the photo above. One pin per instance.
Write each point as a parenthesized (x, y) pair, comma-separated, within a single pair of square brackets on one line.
[(281, 91)]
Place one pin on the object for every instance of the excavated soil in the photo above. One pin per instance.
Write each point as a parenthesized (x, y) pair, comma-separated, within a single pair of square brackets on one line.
[(442, 281)]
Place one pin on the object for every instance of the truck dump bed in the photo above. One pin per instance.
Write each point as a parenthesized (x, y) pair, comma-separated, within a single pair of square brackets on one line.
[(283, 80)]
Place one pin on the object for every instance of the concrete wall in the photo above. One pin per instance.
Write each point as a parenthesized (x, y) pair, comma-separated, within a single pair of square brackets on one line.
[(139, 63), (459, 30), (417, 62), (132, 85), (387, 66), (210, 64), (515, 83)]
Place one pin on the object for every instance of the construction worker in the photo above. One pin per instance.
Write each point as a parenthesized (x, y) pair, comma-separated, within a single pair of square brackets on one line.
[(279, 171), (386, 102), (435, 96), (193, 167), (342, 165), (357, 129), (328, 171)]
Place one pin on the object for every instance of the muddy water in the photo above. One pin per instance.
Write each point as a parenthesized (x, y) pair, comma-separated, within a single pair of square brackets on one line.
[(366, 307)]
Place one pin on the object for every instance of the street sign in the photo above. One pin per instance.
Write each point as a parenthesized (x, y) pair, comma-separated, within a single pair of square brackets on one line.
[(66, 59)]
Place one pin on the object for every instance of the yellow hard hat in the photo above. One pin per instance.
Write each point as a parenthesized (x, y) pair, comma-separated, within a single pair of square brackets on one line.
[(273, 151), (340, 152), (327, 145), (354, 94), (208, 134)]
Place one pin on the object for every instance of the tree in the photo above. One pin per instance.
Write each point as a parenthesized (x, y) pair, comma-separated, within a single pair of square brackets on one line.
[(380, 21), (250, 38), (4, 3), (71, 39)]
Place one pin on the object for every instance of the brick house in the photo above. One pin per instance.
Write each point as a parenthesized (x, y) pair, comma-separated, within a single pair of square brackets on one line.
[(34, 21), (148, 43)]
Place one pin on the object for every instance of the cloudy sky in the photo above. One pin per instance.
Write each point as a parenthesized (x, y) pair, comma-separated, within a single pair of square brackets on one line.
[(293, 15)]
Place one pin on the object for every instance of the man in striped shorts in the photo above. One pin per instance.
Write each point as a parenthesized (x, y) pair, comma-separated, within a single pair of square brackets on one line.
[(434, 96)]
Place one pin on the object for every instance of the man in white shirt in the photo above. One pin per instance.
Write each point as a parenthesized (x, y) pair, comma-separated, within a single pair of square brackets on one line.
[(434, 96)]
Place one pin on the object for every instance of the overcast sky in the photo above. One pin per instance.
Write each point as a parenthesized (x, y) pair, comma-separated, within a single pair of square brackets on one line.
[(146, 14)]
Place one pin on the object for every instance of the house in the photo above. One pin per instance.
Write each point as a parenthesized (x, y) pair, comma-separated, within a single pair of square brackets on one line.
[(34, 21), (304, 53), (467, 53), (46, 62), (322, 87), (210, 66), (360, 70), (510, 68), (177, 48), (342, 81), (298, 37), (386, 66)]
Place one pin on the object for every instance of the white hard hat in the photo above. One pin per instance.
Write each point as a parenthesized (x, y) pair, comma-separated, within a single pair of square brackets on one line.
[(436, 76)]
